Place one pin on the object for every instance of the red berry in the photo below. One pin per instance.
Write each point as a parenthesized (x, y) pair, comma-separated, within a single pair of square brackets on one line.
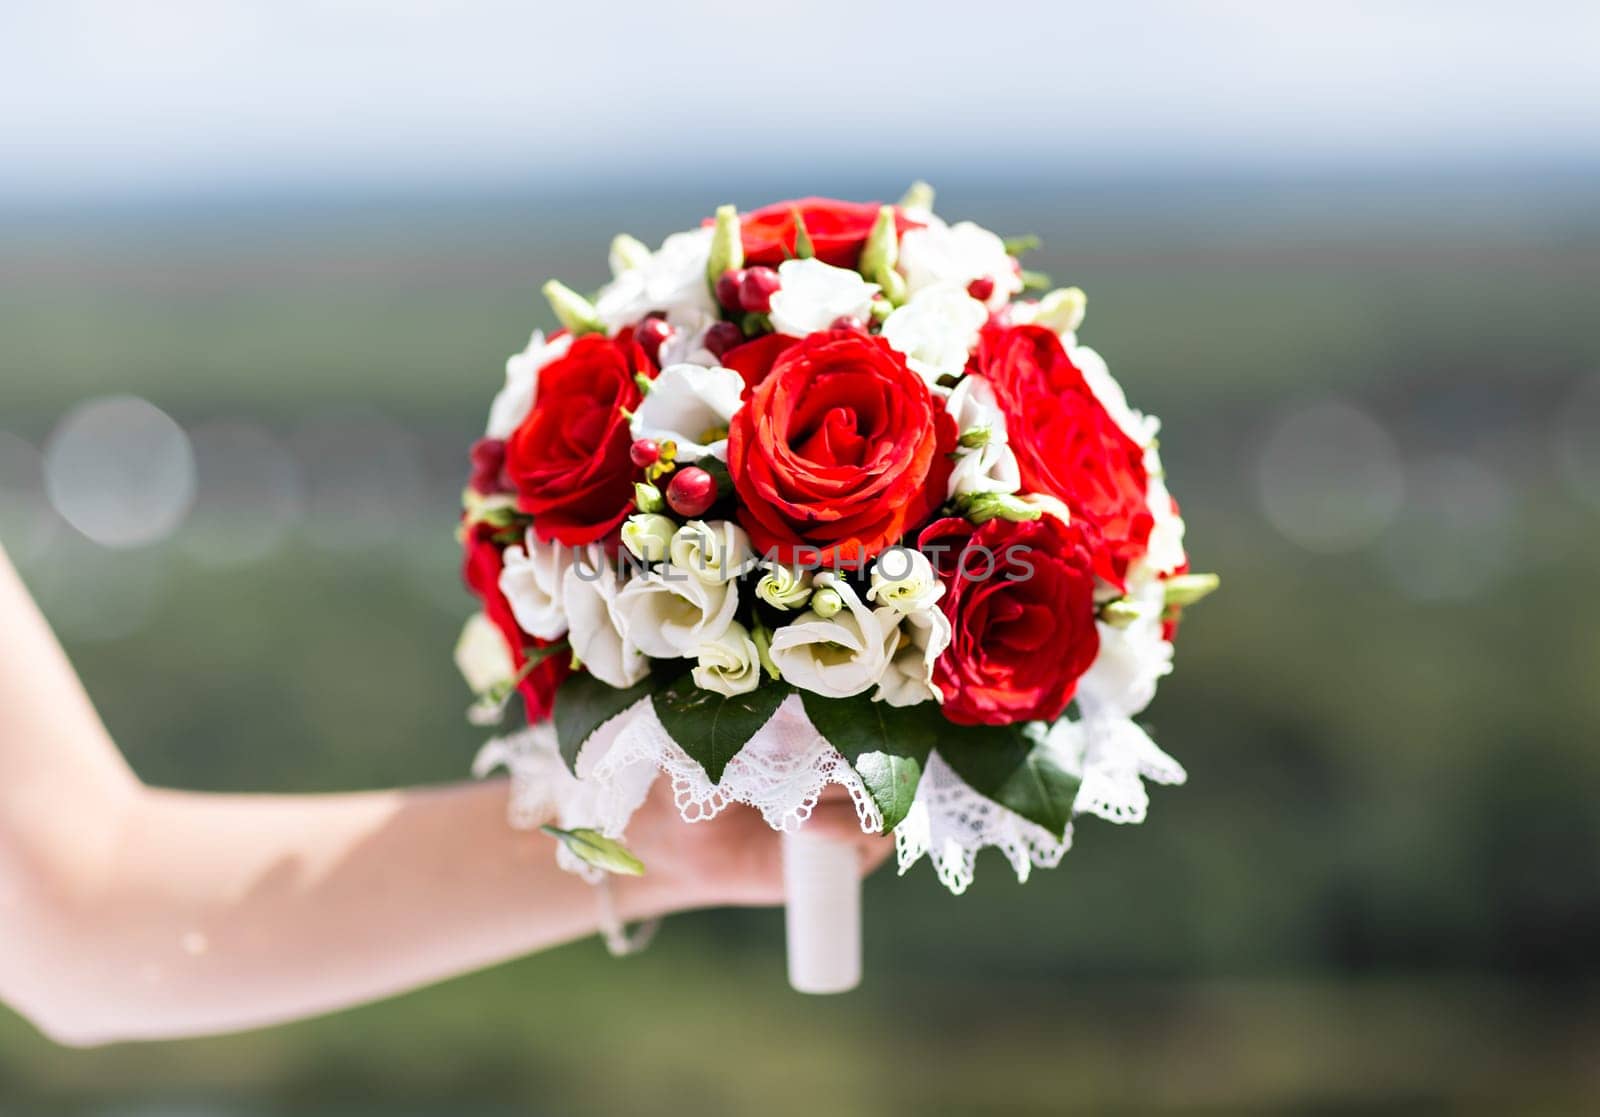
[(981, 288), (728, 286), (845, 322), (756, 289), (645, 452), (650, 335), (691, 491), (723, 337), (488, 462)]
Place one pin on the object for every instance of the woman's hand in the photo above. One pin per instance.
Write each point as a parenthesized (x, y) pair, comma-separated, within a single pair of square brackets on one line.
[(733, 859)]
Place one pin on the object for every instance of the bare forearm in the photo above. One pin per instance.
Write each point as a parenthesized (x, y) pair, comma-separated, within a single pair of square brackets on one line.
[(225, 912)]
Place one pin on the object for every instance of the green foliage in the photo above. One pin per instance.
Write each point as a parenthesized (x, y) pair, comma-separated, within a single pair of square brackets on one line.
[(712, 728), (1009, 764), (888, 745), (584, 704), (594, 848)]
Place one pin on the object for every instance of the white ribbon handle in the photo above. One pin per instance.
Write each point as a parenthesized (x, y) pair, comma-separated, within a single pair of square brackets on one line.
[(822, 883)]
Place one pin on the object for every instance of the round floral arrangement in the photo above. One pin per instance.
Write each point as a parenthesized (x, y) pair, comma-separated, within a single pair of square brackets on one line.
[(823, 493)]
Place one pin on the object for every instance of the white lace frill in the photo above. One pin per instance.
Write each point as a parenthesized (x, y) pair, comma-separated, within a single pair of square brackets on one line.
[(784, 769)]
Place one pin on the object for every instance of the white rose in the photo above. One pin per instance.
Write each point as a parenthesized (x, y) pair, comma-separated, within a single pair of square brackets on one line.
[(513, 402), (812, 295), (531, 581), (936, 330), (716, 552), (838, 656), (672, 279), (729, 664), (482, 656), (958, 254), (783, 587), (990, 467), (669, 612), (691, 405), (599, 638), (922, 639), (904, 580)]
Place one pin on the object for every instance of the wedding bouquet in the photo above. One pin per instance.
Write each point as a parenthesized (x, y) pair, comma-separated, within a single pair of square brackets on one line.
[(821, 494)]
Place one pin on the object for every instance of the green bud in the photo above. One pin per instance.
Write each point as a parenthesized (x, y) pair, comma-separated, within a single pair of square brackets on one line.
[(880, 310), (727, 245), (627, 253), (1120, 613), (826, 602), (573, 311), (975, 438), (803, 248), (783, 587), (644, 383), (919, 197), (594, 848), (647, 498), (1016, 246), (761, 636), (1061, 310), (980, 508), (755, 323), (881, 254), (1186, 589), (648, 535), (1034, 280)]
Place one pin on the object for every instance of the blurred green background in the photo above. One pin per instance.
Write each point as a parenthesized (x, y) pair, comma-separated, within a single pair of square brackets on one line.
[(1380, 890)]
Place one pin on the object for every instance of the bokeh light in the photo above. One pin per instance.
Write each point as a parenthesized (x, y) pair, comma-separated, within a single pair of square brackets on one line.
[(1578, 442), (1330, 477), (1453, 538), (120, 470), (250, 495)]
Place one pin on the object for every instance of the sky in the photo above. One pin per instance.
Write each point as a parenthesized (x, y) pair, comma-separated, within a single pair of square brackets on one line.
[(121, 98)]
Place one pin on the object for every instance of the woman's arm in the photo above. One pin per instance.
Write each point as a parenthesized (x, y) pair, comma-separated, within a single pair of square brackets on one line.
[(132, 913)]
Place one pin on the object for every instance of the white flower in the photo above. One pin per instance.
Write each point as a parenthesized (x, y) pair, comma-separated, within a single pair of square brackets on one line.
[(692, 405), (936, 330), (730, 664), (1122, 680), (672, 280), (990, 467), (687, 343), (783, 587), (839, 656), (599, 638), (513, 402), (482, 656), (812, 295), (716, 552), (669, 612), (958, 254), (1164, 552), (904, 580), (922, 639), (1136, 425), (647, 535), (531, 581)]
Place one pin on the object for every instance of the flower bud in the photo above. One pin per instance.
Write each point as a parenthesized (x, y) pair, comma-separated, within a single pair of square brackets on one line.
[(1120, 613), (761, 636), (647, 498), (1186, 589), (648, 536), (918, 199), (975, 438), (627, 253), (715, 552), (783, 587), (572, 310), (1061, 310), (481, 656), (980, 508), (727, 245), (826, 602), (904, 580)]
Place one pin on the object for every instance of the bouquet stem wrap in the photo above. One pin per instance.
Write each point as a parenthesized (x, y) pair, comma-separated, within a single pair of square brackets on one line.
[(822, 882)]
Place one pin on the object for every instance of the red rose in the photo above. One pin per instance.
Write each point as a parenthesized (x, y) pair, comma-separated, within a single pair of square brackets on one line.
[(1066, 443), (480, 569), (569, 458), (1020, 598), (754, 359), (838, 230), (839, 449)]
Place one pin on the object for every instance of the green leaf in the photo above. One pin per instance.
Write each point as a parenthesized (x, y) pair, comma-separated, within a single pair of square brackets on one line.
[(594, 848), (711, 727), (1009, 764), (887, 745), (584, 704), (1027, 242), (892, 782)]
